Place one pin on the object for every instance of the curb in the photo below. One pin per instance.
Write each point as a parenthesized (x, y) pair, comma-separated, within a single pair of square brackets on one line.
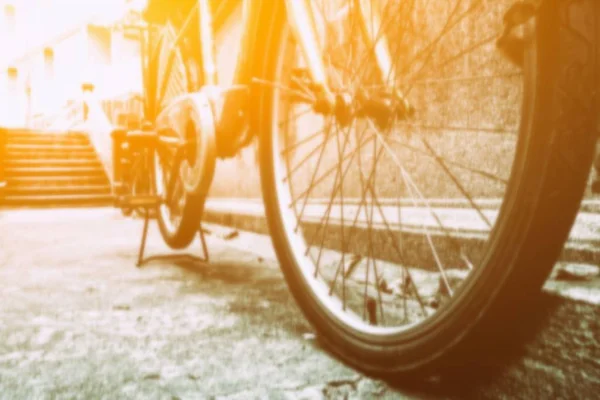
[(249, 215)]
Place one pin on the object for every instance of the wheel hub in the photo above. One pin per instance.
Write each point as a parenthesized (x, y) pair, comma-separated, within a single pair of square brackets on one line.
[(382, 107), (190, 118)]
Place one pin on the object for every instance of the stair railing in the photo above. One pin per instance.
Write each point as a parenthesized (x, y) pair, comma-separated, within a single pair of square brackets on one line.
[(105, 116), (64, 119), (2, 160)]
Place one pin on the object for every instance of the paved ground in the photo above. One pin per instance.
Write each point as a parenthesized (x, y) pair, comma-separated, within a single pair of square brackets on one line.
[(80, 321)]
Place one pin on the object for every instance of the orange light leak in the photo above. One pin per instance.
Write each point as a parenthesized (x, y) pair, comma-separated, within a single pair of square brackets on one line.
[(36, 20), (30, 32)]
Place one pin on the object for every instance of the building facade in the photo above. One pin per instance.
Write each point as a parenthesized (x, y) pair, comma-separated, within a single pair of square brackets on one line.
[(50, 49)]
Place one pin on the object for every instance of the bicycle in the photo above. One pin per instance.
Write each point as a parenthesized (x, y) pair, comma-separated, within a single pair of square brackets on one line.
[(380, 88), (135, 159)]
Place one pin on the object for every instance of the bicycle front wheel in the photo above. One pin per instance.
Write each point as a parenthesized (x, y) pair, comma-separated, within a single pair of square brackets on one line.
[(412, 240)]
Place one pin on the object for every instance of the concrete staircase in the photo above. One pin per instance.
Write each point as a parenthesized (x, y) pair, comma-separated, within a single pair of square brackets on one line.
[(52, 170)]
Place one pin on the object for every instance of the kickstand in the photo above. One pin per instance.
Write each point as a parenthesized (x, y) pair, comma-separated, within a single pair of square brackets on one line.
[(204, 246), (141, 260), (144, 236)]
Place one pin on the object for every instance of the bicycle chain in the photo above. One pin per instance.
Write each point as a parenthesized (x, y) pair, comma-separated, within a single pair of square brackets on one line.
[(510, 43)]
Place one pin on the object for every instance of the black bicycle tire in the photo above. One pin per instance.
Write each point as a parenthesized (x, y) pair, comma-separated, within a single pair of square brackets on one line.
[(542, 203), (186, 231)]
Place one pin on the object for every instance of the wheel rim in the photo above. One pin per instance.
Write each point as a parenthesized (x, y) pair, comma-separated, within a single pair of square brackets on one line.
[(170, 214), (174, 77), (365, 212)]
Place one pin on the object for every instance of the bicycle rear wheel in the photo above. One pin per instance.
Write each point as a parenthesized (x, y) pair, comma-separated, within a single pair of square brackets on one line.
[(412, 244), (174, 69)]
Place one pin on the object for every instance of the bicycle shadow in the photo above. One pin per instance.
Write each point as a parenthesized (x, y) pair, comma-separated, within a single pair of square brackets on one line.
[(251, 287), (550, 351), (544, 339)]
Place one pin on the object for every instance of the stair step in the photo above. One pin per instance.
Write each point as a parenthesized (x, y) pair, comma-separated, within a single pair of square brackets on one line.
[(52, 163), (41, 182), (52, 156), (53, 171), (57, 201), (26, 133), (34, 132), (38, 140), (102, 189), (50, 134), (47, 148)]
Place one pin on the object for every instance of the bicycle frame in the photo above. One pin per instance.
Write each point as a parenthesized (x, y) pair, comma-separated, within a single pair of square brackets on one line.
[(258, 18), (224, 118)]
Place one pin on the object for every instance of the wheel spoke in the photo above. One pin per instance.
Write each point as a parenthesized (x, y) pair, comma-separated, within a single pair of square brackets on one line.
[(334, 194), (435, 81), (341, 264), (305, 140), (364, 190), (427, 52), (171, 56), (367, 188), (459, 128), (294, 117), (311, 185), (320, 148), (327, 173), (172, 67), (302, 95), (411, 186), (449, 162), (455, 180), (454, 58)]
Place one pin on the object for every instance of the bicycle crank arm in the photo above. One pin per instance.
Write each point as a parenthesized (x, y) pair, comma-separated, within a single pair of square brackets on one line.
[(190, 117)]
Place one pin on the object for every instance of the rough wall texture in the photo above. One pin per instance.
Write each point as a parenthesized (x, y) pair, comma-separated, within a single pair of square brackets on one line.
[(238, 177)]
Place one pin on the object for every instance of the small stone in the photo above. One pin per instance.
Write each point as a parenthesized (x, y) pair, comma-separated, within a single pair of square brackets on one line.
[(397, 287), (384, 286), (368, 388), (433, 302), (264, 305), (231, 235), (152, 376), (576, 272), (310, 393), (309, 336)]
